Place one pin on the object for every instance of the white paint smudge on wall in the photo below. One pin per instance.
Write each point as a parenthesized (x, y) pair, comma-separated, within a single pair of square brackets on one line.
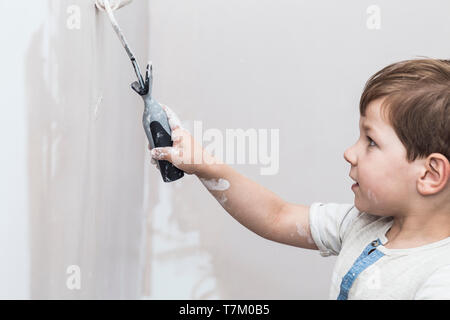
[(56, 139), (145, 247), (50, 66), (177, 259), (45, 160), (97, 106)]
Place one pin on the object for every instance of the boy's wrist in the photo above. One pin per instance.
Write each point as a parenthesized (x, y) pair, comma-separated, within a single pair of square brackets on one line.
[(209, 166)]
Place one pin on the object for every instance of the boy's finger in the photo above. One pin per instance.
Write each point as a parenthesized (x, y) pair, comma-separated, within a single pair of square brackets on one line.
[(168, 153), (174, 121), (176, 137)]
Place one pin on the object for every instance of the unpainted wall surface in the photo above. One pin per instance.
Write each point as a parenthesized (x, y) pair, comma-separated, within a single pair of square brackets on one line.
[(297, 66)]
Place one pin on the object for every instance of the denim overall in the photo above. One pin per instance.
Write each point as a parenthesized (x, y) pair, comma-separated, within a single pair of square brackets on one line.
[(369, 256)]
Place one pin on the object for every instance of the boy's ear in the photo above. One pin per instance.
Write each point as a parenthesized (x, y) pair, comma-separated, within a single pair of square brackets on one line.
[(435, 174)]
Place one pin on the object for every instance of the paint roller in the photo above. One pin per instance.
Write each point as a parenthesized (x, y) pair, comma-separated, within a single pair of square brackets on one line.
[(155, 121)]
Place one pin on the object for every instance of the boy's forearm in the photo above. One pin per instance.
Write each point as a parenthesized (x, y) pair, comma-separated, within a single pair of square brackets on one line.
[(251, 204)]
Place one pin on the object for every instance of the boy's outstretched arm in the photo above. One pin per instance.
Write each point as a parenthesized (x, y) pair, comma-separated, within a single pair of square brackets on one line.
[(255, 207), (259, 209)]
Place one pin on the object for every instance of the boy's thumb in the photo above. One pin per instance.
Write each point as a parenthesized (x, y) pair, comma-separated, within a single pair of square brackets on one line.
[(167, 153)]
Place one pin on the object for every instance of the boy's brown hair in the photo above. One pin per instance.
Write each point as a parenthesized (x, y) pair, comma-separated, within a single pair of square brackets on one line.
[(416, 104)]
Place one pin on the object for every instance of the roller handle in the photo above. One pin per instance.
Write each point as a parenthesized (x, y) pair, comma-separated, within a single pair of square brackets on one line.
[(156, 124), (161, 138)]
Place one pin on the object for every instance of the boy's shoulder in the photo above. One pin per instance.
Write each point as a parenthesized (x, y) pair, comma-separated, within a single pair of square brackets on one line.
[(333, 224), (349, 218)]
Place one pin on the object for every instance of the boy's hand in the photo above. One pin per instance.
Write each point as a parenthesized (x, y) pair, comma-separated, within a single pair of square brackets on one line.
[(185, 154)]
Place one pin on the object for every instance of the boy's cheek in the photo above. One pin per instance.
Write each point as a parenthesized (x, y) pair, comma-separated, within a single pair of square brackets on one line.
[(383, 199), (373, 196)]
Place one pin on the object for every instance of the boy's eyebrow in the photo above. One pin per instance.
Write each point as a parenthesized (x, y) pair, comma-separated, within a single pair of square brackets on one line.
[(368, 128)]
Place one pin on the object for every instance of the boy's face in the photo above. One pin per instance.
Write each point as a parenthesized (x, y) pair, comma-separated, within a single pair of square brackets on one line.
[(386, 181)]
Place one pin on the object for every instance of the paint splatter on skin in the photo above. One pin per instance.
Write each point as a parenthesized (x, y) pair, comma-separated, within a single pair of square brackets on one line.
[(174, 121), (159, 155), (303, 233), (216, 185), (176, 139), (222, 199), (372, 196)]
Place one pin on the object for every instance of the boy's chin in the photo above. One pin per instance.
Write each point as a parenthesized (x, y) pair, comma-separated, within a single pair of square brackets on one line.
[(360, 206), (371, 209)]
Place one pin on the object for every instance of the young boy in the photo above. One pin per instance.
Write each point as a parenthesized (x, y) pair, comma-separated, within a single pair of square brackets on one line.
[(394, 241)]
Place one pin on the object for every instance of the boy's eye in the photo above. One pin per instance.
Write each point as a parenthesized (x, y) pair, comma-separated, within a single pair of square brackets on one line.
[(371, 141)]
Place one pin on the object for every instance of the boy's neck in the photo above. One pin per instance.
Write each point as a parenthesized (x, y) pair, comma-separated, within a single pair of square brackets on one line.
[(418, 229)]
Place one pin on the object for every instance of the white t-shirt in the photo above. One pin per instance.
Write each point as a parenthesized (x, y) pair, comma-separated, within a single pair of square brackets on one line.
[(406, 274)]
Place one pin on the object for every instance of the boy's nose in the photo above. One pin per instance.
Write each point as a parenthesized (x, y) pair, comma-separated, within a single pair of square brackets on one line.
[(349, 156)]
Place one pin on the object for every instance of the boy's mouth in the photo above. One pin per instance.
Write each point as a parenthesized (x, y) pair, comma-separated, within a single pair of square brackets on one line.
[(356, 184)]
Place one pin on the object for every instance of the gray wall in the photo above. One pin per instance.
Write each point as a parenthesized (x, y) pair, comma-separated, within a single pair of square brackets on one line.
[(85, 155), (84, 152), (79, 188)]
